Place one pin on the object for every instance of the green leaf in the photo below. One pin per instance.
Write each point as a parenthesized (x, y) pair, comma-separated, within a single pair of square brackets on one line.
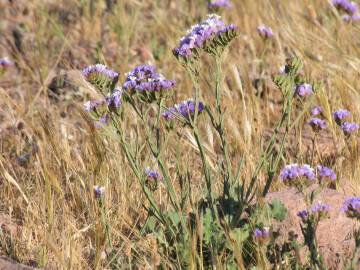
[(278, 210)]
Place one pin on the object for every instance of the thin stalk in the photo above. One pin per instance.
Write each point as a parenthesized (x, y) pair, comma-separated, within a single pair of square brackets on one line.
[(104, 221)]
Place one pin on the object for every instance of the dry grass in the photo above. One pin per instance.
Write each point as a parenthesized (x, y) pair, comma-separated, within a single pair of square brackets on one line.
[(51, 156)]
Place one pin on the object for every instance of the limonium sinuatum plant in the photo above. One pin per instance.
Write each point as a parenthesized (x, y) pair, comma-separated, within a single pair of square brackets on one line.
[(340, 116), (317, 124), (325, 174), (183, 111), (265, 31), (304, 90), (145, 82), (294, 174), (211, 35), (317, 111), (103, 78), (349, 128), (351, 207), (347, 6)]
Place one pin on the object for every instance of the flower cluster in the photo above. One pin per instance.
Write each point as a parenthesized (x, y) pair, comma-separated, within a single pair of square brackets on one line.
[(351, 207), (317, 211), (262, 235), (320, 209), (349, 8), (144, 78), (101, 77), (214, 4), (4, 64), (209, 35), (348, 128), (303, 214), (99, 192), (265, 32), (152, 174), (114, 100), (99, 109), (294, 174), (340, 115), (317, 124), (185, 109), (353, 18), (317, 111), (304, 90), (152, 178), (325, 174)]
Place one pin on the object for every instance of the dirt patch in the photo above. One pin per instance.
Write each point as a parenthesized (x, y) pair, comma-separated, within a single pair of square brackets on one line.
[(334, 235)]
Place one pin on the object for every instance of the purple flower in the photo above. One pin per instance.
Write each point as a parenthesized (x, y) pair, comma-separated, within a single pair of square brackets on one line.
[(317, 110), (185, 109), (303, 214), (151, 174), (317, 124), (5, 62), (114, 100), (265, 31), (346, 6), (293, 174), (348, 128), (325, 173), (144, 78), (102, 77), (262, 235), (351, 18), (169, 114), (200, 35), (351, 207), (340, 115), (220, 3), (99, 192), (304, 90), (320, 208), (103, 121)]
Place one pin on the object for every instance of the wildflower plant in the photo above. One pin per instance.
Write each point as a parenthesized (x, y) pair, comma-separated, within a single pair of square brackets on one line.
[(145, 83), (326, 175), (317, 111), (317, 124), (349, 128), (220, 212), (265, 32), (309, 223), (347, 6), (340, 116), (351, 207), (100, 76)]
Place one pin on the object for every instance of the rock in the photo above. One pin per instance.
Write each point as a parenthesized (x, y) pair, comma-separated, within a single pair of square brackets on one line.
[(9, 264), (334, 235)]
